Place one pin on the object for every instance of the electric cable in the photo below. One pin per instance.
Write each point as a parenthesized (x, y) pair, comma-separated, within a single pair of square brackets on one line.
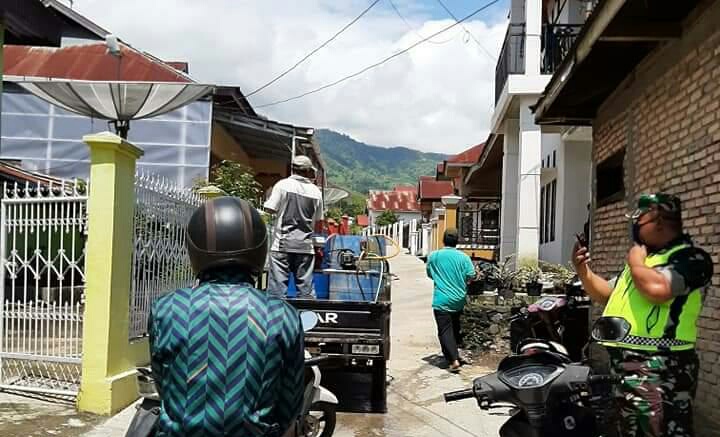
[(381, 62), (412, 29), (315, 50), (467, 32)]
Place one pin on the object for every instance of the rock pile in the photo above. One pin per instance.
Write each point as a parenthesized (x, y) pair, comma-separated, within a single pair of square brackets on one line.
[(485, 327)]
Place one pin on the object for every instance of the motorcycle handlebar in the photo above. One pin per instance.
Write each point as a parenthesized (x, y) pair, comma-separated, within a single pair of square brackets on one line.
[(459, 395)]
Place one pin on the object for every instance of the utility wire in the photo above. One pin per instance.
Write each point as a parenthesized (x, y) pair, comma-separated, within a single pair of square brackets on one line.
[(317, 49), (412, 29), (454, 17), (381, 62)]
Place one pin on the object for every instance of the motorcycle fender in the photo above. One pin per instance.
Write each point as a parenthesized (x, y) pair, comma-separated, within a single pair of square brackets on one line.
[(325, 395)]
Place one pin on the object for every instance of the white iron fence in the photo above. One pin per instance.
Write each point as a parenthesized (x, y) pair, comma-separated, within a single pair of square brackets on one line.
[(160, 261), (42, 281)]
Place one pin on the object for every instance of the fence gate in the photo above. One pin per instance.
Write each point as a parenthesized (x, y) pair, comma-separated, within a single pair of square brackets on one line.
[(42, 282)]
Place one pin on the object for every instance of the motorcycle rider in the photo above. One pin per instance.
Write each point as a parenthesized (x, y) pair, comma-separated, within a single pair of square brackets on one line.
[(660, 293), (227, 359)]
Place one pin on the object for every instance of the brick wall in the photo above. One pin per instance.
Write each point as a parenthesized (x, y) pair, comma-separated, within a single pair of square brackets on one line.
[(669, 124)]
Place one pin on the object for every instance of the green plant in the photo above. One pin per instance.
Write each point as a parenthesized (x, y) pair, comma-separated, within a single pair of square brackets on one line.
[(236, 179), (504, 275), (529, 275), (387, 218), (557, 272)]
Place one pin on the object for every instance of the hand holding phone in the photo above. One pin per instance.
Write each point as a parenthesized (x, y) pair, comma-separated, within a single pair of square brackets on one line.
[(581, 240)]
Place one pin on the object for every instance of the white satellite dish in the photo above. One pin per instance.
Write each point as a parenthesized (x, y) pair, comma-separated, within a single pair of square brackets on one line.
[(118, 102), (334, 195)]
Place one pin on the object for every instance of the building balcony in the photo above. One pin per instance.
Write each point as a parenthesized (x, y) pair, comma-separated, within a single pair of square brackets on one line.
[(556, 41), (512, 57)]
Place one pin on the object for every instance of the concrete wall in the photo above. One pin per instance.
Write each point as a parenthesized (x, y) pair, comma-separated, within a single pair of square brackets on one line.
[(551, 251), (402, 216), (666, 117)]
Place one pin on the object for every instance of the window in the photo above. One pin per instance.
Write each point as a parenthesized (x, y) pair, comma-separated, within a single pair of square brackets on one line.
[(548, 199), (542, 215), (610, 179), (554, 158)]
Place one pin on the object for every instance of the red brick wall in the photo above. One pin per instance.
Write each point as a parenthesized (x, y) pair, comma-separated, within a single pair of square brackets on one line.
[(669, 125)]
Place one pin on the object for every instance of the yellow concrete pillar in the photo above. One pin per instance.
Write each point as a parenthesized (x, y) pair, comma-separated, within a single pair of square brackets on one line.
[(451, 205), (440, 229), (211, 192), (108, 368)]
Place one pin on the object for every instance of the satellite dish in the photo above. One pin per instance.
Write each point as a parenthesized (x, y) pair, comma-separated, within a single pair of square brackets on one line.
[(118, 102), (334, 195)]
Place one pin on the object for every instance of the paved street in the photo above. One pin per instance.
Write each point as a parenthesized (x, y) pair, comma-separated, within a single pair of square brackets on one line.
[(415, 405)]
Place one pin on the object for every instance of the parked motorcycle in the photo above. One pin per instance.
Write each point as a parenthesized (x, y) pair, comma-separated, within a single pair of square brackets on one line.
[(319, 410), (561, 319), (318, 414), (550, 396)]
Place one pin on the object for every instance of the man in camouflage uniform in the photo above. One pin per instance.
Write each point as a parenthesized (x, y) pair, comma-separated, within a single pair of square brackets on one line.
[(659, 294)]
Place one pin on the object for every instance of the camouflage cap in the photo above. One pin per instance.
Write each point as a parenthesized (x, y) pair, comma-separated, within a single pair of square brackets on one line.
[(669, 205)]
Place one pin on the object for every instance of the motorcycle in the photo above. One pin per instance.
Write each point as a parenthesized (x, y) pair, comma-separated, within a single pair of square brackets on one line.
[(319, 409), (561, 319), (550, 396), (318, 413)]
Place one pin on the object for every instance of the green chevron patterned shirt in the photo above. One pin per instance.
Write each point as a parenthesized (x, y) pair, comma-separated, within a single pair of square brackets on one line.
[(227, 359)]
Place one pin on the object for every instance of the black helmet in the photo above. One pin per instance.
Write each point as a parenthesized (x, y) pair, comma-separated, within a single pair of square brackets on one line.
[(227, 231)]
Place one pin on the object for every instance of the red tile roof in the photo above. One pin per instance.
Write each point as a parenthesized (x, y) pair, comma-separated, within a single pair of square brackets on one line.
[(396, 201), (469, 156), (434, 189), (405, 188), (362, 220), (88, 62)]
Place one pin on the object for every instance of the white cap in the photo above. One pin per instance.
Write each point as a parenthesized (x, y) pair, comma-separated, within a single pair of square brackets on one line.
[(302, 162)]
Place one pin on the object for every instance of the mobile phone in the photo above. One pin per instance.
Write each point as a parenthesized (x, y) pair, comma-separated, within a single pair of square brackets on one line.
[(581, 240)]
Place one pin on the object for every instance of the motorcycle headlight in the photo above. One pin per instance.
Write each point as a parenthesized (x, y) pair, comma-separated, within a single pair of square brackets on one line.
[(530, 376)]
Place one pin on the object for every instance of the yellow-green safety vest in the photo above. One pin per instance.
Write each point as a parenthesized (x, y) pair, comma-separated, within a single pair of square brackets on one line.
[(670, 326)]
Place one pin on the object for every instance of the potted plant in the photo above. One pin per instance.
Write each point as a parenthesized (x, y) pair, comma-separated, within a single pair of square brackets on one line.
[(504, 277), (531, 279)]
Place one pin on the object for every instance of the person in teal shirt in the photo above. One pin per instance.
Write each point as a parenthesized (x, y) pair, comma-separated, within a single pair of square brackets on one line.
[(450, 270)]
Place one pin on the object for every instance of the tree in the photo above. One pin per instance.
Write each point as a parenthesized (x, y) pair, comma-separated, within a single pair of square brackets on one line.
[(236, 179), (387, 218)]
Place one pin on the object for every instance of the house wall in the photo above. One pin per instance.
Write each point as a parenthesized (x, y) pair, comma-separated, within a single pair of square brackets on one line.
[(551, 251), (402, 216), (666, 117), (47, 138)]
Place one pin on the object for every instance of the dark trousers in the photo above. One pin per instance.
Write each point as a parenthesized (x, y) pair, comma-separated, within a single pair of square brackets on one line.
[(448, 325)]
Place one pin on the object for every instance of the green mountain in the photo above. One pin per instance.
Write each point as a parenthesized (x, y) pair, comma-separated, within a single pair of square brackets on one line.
[(361, 167)]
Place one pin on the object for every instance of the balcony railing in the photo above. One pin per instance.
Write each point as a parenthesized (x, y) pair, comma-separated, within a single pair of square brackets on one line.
[(512, 57), (557, 40)]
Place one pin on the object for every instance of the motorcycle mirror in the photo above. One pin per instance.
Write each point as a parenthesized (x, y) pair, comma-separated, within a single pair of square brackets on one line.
[(612, 329), (309, 320)]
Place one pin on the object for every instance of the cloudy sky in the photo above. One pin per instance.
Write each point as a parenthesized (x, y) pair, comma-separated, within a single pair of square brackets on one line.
[(438, 97)]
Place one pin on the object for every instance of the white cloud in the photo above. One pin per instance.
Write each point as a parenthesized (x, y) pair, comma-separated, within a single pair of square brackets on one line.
[(438, 97)]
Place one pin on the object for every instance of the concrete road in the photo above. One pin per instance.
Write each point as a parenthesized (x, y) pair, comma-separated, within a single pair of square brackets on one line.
[(415, 405)]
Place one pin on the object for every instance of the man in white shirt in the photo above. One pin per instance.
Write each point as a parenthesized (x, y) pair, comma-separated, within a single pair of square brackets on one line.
[(298, 207)]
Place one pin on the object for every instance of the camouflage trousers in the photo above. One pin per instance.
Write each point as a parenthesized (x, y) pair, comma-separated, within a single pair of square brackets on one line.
[(656, 393)]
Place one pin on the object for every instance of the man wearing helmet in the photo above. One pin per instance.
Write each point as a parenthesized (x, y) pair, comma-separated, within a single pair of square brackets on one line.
[(227, 359), (652, 308), (298, 207)]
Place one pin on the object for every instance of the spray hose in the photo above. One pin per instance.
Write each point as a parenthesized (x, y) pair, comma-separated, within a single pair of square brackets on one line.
[(370, 256)]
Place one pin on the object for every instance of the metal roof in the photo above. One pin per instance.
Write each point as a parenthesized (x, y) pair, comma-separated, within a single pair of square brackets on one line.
[(44, 22), (88, 62)]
